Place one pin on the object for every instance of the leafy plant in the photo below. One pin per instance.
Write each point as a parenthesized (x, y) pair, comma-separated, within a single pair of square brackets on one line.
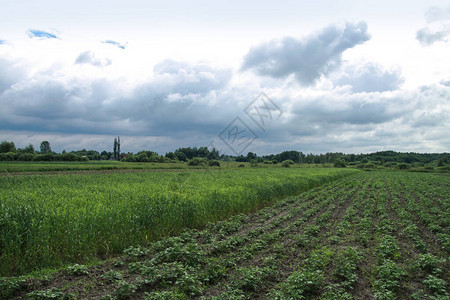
[(77, 270)]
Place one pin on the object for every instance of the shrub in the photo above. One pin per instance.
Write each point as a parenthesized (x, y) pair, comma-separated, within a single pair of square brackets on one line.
[(44, 157), (253, 163), (69, 157), (214, 163), (339, 164), (7, 156), (197, 161), (403, 166), (130, 158), (241, 166), (287, 163), (25, 157)]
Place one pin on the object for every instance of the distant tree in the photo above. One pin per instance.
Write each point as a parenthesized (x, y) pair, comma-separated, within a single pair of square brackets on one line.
[(181, 156), (442, 161), (6, 147), (45, 147), (118, 147), (339, 163), (213, 154), (28, 149), (254, 163), (171, 155), (251, 156)]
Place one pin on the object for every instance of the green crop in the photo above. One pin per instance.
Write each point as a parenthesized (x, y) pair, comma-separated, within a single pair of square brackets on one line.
[(51, 220)]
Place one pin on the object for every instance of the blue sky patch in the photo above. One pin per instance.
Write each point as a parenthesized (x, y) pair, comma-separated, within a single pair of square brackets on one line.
[(114, 43), (39, 34)]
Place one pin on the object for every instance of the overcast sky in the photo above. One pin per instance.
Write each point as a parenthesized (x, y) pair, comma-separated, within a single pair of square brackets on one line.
[(336, 76)]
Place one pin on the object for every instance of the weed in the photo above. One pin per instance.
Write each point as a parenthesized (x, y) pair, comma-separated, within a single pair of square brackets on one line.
[(77, 270), (50, 294)]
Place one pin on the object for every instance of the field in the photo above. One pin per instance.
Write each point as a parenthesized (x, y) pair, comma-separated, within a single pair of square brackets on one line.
[(50, 220), (371, 235)]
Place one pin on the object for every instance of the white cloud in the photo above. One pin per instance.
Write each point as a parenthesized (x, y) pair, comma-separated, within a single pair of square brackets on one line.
[(89, 57), (438, 27)]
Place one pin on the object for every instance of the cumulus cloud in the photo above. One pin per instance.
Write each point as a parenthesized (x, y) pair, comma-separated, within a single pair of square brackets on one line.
[(88, 57), (42, 35), (308, 58), (369, 77), (427, 36), (438, 26), (114, 43), (11, 73)]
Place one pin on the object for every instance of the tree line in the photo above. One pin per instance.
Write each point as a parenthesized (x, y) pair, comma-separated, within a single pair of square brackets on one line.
[(9, 152)]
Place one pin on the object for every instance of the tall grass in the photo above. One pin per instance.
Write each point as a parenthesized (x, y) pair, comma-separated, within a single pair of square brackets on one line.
[(51, 220)]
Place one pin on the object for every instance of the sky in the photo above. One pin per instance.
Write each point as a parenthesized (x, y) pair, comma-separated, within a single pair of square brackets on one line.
[(261, 76)]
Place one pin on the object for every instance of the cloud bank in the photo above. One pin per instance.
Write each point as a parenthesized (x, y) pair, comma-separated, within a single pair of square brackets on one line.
[(356, 108), (308, 58)]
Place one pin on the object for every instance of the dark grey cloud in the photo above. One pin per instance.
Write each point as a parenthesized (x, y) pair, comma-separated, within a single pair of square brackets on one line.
[(308, 58), (347, 109), (369, 77), (114, 43), (176, 99), (42, 35), (88, 57), (438, 27)]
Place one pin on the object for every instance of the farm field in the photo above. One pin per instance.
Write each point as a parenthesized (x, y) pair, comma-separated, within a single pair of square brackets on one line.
[(47, 221), (370, 235)]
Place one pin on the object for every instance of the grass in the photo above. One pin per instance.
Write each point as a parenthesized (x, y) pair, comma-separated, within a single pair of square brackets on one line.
[(52, 220)]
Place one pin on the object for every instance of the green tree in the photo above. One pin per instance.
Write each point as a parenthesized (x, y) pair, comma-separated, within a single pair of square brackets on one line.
[(7, 147), (28, 149), (181, 156), (45, 147)]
